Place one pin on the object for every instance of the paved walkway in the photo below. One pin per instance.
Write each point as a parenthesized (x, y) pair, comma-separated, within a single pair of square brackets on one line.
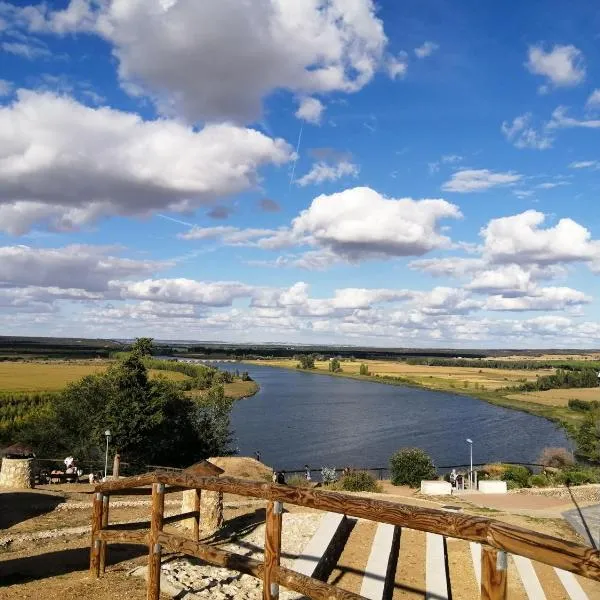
[(586, 521)]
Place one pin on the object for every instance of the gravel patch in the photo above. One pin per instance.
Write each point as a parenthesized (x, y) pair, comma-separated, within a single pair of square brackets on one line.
[(196, 579)]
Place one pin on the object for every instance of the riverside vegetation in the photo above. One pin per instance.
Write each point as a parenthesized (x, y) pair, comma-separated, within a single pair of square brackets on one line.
[(158, 411)]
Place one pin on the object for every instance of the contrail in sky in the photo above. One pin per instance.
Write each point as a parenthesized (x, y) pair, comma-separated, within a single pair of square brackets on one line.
[(296, 159), (175, 220)]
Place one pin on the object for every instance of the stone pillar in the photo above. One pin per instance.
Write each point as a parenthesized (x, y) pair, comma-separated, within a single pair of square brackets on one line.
[(211, 511), (17, 473)]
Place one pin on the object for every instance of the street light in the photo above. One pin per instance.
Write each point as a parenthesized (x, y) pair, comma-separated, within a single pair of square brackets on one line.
[(107, 434), (470, 442)]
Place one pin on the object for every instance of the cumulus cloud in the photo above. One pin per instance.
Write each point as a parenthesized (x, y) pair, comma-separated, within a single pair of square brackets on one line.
[(83, 163), (426, 49), (521, 239), (397, 66), (310, 110), (521, 133), (448, 267), (542, 299), (563, 66), (594, 100), (83, 267), (169, 50), (476, 180), (322, 171)]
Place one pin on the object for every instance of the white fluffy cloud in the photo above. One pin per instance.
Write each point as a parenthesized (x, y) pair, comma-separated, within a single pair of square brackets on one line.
[(83, 163), (448, 267), (360, 223), (426, 49), (563, 66), (546, 299), (310, 110), (477, 180), (83, 267), (560, 120), (218, 59), (322, 171), (521, 133), (520, 239)]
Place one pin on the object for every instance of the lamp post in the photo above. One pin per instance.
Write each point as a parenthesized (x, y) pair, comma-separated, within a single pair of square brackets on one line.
[(107, 434), (470, 442)]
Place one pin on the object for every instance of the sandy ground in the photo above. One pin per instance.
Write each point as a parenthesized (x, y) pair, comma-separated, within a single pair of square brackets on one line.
[(56, 567)]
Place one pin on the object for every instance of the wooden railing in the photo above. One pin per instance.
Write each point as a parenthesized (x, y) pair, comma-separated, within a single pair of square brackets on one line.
[(497, 538)]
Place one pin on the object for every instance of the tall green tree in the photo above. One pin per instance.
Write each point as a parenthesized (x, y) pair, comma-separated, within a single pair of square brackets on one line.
[(143, 346)]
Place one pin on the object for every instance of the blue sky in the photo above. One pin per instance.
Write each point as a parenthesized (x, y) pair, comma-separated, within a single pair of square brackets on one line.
[(328, 171)]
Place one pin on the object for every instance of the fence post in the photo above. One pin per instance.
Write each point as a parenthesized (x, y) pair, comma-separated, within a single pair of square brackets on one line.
[(196, 532), (154, 548), (104, 545), (116, 466), (96, 527), (494, 564), (272, 549)]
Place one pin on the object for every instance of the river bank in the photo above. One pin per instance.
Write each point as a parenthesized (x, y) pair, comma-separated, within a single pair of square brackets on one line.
[(453, 383)]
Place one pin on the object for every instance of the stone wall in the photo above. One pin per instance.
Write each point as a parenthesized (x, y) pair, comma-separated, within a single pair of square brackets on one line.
[(17, 473)]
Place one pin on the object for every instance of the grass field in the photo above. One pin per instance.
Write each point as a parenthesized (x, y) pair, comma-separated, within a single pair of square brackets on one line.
[(236, 390), (54, 376), (559, 397)]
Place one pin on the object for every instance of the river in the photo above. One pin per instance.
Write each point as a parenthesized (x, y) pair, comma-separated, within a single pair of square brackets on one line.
[(302, 418)]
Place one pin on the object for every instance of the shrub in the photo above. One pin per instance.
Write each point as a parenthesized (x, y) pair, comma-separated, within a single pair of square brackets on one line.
[(576, 477), (539, 481), (328, 475), (410, 465), (493, 470), (512, 485), (583, 405), (518, 474), (556, 457), (364, 369), (359, 481), (298, 481)]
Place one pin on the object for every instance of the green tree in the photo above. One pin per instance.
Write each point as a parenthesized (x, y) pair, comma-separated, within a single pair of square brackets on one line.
[(335, 366), (143, 346), (411, 465), (588, 437), (306, 361), (364, 369)]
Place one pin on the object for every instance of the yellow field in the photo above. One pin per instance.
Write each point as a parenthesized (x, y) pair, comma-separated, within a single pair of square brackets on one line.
[(558, 397), (53, 376), (434, 377)]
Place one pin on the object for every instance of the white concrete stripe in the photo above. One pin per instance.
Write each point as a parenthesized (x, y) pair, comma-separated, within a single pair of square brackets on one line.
[(529, 577), (373, 583), (436, 583), (476, 556), (308, 561), (571, 585)]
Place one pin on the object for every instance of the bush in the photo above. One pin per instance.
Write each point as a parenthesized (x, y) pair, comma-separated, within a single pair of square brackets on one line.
[(576, 477), (359, 481), (518, 474), (539, 481), (328, 475), (583, 405), (556, 457), (512, 485), (364, 369), (411, 465), (493, 471)]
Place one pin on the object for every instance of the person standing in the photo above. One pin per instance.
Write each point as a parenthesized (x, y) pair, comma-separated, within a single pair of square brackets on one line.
[(307, 473), (257, 455)]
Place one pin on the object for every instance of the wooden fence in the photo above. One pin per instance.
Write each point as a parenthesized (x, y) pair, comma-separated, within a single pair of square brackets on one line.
[(497, 538)]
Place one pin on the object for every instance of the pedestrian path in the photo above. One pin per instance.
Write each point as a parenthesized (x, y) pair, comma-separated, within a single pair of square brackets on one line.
[(586, 521)]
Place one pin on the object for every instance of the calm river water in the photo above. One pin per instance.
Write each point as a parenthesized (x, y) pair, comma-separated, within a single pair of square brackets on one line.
[(302, 418)]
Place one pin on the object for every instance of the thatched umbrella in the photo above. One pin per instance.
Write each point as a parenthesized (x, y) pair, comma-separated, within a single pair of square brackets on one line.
[(18, 450)]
